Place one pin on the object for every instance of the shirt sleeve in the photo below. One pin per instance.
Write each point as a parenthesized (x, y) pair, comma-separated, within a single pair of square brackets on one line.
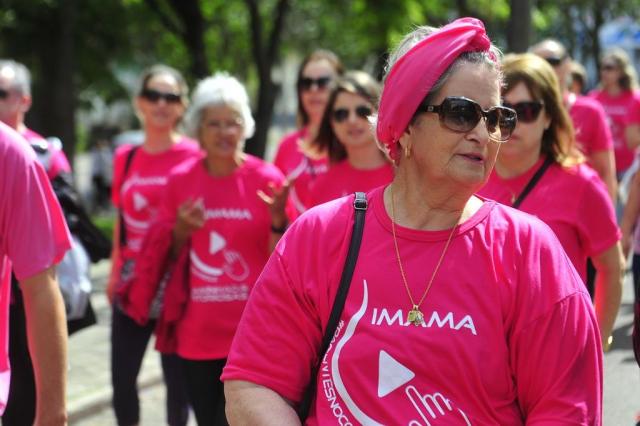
[(59, 163), (35, 234), (596, 218), (118, 173), (558, 365), (633, 116), (554, 349)]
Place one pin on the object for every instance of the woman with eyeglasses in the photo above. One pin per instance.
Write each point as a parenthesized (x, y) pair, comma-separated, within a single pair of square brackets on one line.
[(616, 94), (220, 219), (298, 159), (460, 310), (139, 181), (356, 162), (540, 172)]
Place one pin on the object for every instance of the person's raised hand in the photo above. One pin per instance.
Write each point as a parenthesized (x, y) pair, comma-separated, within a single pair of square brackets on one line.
[(276, 201), (191, 216)]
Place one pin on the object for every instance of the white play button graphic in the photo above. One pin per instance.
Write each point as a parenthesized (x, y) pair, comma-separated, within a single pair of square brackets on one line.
[(391, 374), (139, 202), (216, 242)]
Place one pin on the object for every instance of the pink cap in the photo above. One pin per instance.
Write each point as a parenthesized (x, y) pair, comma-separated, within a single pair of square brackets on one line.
[(413, 75)]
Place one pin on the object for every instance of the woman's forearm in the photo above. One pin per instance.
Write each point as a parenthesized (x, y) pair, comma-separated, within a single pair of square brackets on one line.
[(251, 404), (608, 290)]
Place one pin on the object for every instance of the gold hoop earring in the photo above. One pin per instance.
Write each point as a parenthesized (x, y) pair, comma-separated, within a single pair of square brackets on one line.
[(407, 152)]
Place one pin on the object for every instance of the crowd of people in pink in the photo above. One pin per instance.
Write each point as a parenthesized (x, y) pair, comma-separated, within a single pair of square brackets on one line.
[(444, 246)]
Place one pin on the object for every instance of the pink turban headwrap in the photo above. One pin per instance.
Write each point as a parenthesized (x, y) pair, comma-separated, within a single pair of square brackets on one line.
[(413, 75)]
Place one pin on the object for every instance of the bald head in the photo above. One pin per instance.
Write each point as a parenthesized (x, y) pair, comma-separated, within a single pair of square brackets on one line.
[(556, 54)]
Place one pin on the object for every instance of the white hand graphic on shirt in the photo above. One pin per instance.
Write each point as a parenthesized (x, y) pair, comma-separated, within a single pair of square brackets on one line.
[(433, 408)]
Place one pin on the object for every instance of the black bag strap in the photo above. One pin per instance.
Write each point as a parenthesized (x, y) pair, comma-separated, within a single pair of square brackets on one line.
[(360, 205), (533, 182), (127, 165)]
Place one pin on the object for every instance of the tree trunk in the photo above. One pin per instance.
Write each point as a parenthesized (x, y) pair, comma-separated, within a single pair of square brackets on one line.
[(265, 57), (193, 28), (519, 26)]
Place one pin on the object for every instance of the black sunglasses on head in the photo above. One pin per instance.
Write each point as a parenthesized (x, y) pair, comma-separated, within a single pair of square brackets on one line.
[(342, 114), (527, 111), (154, 96), (306, 83), (461, 115)]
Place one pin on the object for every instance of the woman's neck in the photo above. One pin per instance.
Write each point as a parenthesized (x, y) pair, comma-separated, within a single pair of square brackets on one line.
[(423, 206), (613, 90), (223, 166), (306, 143), (367, 157), (508, 168), (156, 141)]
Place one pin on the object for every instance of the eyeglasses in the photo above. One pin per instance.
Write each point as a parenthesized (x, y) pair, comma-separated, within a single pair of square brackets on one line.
[(342, 114), (527, 112), (4, 94), (219, 125), (306, 83), (154, 96), (461, 115)]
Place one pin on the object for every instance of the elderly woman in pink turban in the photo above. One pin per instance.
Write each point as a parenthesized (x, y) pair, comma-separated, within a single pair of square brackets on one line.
[(456, 310)]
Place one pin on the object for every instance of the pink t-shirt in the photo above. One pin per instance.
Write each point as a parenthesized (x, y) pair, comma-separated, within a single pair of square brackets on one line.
[(227, 254), (342, 179), (296, 166), (140, 194), (590, 122), (509, 337), (621, 111), (572, 201), (54, 160), (33, 232)]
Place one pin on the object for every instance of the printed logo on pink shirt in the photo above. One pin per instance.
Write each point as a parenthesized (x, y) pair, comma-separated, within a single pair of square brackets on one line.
[(221, 261), (396, 382)]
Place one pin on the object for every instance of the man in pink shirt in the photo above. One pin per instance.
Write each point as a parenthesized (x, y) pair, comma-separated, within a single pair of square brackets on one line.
[(15, 102), (33, 238)]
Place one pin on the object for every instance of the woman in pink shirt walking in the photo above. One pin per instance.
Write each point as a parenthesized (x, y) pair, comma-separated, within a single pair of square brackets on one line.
[(460, 310), (541, 172), (356, 163), (139, 183), (296, 157)]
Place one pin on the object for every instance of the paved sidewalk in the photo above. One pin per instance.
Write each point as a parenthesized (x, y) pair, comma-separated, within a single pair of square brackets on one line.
[(89, 376)]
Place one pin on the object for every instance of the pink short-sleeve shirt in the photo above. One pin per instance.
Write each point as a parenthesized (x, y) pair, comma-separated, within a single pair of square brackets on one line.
[(33, 232)]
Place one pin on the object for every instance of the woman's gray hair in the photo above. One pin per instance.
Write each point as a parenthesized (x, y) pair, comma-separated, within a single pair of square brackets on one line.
[(221, 89), (492, 58)]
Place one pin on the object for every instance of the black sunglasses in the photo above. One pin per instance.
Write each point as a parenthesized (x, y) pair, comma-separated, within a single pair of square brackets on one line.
[(527, 112), (306, 83), (608, 67), (554, 61), (462, 115), (4, 94), (154, 96), (342, 114)]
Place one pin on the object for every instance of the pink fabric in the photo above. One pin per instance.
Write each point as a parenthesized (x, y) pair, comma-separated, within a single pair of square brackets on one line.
[(226, 255), (57, 161), (299, 168), (33, 232), (140, 194), (573, 201), (412, 77), (590, 122), (510, 334), (621, 111), (342, 179)]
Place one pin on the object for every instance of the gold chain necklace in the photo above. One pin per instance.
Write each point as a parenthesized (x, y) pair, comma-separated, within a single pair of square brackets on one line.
[(415, 315)]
